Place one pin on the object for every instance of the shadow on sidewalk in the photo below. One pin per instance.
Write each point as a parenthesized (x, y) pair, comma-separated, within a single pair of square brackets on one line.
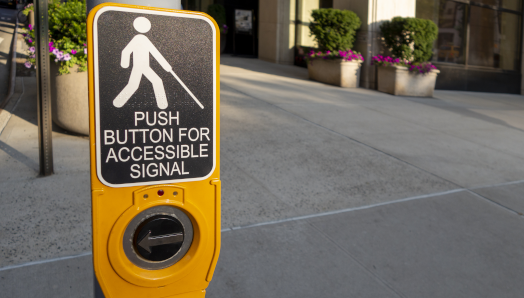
[(256, 65), (19, 156)]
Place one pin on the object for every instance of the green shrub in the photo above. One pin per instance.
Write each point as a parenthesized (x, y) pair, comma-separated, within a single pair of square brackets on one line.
[(67, 21), (218, 12), (67, 35), (334, 29), (410, 38)]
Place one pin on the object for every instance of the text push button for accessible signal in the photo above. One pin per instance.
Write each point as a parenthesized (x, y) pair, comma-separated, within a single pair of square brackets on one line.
[(154, 97)]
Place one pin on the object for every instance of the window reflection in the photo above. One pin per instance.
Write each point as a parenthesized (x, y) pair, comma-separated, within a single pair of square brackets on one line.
[(493, 38), (508, 4), (452, 32)]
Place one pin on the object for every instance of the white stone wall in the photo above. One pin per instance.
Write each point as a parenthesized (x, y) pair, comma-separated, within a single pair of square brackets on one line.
[(276, 31)]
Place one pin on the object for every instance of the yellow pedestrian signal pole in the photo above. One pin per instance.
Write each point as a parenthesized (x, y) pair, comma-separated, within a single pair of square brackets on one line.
[(155, 150)]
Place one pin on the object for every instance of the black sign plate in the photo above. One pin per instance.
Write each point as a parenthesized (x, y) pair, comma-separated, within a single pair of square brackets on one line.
[(155, 96)]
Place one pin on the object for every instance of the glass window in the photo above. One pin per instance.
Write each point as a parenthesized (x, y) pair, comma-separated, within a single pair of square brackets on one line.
[(191, 5), (508, 4), (512, 4), (452, 24), (325, 4), (509, 41), (494, 38)]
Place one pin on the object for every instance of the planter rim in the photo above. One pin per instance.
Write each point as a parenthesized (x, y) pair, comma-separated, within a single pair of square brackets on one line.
[(72, 69), (337, 61), (399, 67)]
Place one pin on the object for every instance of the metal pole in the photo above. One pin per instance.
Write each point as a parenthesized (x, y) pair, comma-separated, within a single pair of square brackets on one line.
[(43, 88)]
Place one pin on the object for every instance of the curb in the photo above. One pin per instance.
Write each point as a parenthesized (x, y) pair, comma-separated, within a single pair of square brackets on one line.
[(7, 106)]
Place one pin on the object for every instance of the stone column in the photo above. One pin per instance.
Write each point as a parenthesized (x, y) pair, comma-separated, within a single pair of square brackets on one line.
[(276, 33)]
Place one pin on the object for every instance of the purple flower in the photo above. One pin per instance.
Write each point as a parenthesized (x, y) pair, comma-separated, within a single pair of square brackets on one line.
[(85, 45), (51, 43), (67, 57), (24, 35), (30, 27), (55, 51), (51, 49), (30, 40), (225, 26), (32, 49), (60, 55), (85, 51), (28, 64), (32, 56), (73, 52)]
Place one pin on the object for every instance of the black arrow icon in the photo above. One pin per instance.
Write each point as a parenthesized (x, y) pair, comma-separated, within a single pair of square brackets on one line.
[(147, 242)]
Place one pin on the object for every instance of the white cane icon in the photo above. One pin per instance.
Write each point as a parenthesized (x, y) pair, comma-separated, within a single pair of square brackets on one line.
[(140, 46)]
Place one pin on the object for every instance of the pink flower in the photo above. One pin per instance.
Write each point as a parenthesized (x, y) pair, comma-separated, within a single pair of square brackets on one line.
[(67, 57), (85, 51), (32, 49), (50, 43), (28, 64), (30, 40), (30, 27), (73, 52), (51, 49)]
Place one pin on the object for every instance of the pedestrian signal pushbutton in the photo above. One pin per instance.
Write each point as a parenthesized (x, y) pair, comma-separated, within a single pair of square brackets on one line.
[(158, 237), (154, 104)]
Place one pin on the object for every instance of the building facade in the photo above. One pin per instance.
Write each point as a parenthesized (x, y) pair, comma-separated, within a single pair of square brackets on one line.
[(479, 46)]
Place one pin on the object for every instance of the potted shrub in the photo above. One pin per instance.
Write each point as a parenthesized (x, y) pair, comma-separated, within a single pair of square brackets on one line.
[(68, 55), (218, 12), (335, 63), (408, 72)]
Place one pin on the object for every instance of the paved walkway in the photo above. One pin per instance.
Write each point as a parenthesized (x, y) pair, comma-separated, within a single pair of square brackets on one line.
[(327, 192)]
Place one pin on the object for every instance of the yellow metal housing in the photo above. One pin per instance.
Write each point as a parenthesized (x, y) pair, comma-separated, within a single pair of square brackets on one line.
[(114, 208)]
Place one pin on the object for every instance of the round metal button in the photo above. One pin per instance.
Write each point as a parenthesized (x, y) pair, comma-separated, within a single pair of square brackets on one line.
[(158, 237)]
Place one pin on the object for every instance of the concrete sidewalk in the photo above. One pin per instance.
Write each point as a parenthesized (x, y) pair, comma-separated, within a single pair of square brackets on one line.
[(327, 192)]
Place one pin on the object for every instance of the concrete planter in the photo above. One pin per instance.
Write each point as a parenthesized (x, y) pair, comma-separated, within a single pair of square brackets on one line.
[(335, 72), (70, 101), (398, 80)]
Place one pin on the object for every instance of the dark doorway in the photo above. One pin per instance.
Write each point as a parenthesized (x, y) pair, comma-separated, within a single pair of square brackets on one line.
[(241, 42)]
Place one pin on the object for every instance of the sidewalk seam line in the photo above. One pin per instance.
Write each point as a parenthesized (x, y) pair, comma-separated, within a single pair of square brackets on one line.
[(345, 210), (494, 202), (376, 276), (45, 261), (304, 217)]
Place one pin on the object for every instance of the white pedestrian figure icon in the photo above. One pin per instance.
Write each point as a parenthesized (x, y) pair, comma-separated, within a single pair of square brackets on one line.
[(140, 46)]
